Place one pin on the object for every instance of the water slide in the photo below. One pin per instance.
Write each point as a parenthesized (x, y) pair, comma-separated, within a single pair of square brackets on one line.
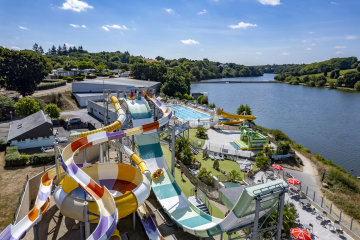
[(67, 195), (173, 200), (149, 224), (232, 119)]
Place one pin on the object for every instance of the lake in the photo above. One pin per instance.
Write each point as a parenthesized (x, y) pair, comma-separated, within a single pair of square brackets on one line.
[(326, 121)]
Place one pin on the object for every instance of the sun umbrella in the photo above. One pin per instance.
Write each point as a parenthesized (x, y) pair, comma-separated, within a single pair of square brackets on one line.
[(293, 181), (277, 167), (300, 234)]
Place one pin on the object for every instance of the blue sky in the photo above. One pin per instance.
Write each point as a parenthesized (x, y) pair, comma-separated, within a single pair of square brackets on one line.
[(248, 32)]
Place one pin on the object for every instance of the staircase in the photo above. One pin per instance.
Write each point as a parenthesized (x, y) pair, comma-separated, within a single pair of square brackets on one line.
[(199, 204)]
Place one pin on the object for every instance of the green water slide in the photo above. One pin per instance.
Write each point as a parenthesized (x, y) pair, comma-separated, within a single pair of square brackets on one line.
[(173, 200)]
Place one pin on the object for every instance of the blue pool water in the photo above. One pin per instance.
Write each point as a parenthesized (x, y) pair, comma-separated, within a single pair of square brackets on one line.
[(186, 113)]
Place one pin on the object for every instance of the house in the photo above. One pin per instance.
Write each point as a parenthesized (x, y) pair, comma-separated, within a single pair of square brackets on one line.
[(32, 131)]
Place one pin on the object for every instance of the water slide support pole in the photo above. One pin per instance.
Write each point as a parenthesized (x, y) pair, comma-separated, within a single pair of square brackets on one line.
[(84, 156), (173, 150), (36, 231), (57, 164), (82, 231), (121, 156), (101, 153), (256, 220), (86, 219), (281, 215), (134, 223)]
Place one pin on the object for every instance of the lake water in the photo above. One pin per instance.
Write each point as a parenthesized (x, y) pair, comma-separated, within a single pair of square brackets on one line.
[(323, 120)]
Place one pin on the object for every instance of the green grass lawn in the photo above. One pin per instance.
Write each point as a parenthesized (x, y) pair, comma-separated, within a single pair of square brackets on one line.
[(342, 72), (193, 139)]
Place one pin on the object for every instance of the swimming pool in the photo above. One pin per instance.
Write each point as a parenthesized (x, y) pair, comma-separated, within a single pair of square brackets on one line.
[(186, 113)]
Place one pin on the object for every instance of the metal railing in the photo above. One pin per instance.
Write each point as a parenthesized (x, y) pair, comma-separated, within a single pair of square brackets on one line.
[(320, 202)]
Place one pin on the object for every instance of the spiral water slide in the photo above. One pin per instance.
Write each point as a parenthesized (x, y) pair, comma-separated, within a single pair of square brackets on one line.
[(173, 200), (232, 119), (107, 210)]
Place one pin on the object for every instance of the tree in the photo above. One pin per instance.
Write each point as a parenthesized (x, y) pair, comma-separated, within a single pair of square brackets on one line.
[(100, 67), (35, 47), (201, 133), (64, 50), (357, 86), (205, 176), (234, 176), (358, 68), (176, 80), (335, 74), (52, 110), (283, 147), (6, 105), (244, 108), (350, 78), (183, 151), (202, 99), (41, 50), (27, 106), (22, 70), (261, 161), (159, 58), (85, 65), (289, 220), (68, 65), (216, 164)]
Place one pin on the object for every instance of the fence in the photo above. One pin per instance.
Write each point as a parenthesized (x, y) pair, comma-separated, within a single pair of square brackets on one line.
[(320, 202)]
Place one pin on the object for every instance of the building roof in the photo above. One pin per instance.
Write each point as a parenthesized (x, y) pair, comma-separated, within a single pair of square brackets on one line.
[(232, 195), (121, 82), (33, 126)]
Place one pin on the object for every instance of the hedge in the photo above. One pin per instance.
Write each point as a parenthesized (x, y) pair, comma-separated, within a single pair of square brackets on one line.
[(2, 144), (48, 85), (14, 159)]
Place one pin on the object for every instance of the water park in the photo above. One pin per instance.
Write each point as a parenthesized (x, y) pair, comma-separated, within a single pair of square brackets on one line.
[(119, 182)]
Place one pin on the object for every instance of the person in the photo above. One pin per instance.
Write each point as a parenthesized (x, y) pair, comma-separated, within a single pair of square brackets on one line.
[(227, 212), (196, 192)]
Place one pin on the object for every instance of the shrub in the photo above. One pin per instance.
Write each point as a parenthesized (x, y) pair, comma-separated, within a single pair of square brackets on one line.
[(201, 133), (183, 151), (261, 161), (178, 95), (52, 110), (79, 78), (243, 108), (6, 105), (27, 106), (188, 97), (212, 105), (216, 164), (68, 79), (14, 159), (48, 85), (202, 99), (283, 147), (357, 86), (2, 144), (234, 176), (41, 158), (205, 176)]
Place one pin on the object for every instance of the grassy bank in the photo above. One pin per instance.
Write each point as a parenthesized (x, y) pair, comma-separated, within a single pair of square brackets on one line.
[(343, 189)]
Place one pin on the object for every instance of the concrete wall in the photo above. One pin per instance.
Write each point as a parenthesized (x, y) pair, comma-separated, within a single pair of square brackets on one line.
[(88, 87), (83, 100), (97, 109), (33, 143)]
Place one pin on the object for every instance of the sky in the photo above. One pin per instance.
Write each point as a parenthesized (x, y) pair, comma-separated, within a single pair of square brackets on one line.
[(249, 32)]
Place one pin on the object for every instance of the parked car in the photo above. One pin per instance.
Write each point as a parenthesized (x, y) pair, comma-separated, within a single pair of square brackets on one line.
[(73, 120), (47, 149)]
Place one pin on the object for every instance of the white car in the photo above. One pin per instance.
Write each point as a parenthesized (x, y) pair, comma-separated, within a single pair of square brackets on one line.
[(47, 149)]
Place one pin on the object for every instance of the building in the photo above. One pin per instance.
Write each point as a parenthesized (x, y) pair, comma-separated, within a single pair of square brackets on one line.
[(31, 132), (71, 73), (93, 90)]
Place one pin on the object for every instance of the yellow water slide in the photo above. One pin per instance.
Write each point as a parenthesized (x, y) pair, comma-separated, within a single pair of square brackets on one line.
[(233, 119)]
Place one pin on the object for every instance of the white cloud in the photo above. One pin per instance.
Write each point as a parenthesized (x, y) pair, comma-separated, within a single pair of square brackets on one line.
[(15, 48), (114, 26), (338, 52), (305, 41), (258, 53), (333, 3), (77, 26), (310, 32), (308, 49), (69, 45), (313, 44), (76, 5), (202, 12), (190, 42), (351, 37), (340, 47), (169, 10), (285, 53), (242, 25), (270, 2), (23, 28)]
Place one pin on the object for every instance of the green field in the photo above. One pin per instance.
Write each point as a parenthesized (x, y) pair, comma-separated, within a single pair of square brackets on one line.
[(342, 72), (193, 139)]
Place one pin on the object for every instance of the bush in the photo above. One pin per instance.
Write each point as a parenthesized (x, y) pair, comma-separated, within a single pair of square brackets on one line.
[(357, 86), (212, 105), (188, 97), (2, 144), (205, 176), (79, 78), (68, 79), (53, 110), (41, 158), (261, 161), (90, 76), (6, 105), (201, 133), (14, 159), (243, 108), (202, 99), (283, 147), (48, 85), (183, 151), (27, 106)]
